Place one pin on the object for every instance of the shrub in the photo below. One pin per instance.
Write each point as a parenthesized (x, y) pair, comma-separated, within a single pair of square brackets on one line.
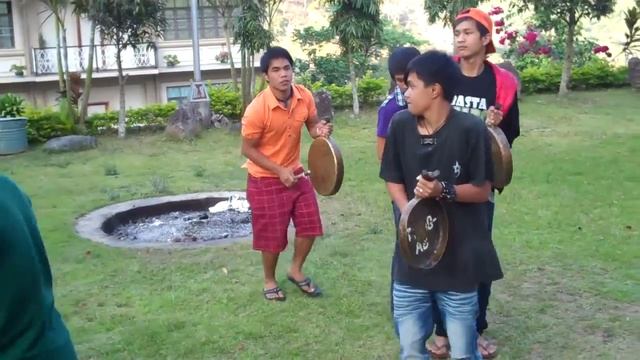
[(149, 117), (225, 100), (44, 124), (101, 123), (341, 96), (371, 91), (596, 73)]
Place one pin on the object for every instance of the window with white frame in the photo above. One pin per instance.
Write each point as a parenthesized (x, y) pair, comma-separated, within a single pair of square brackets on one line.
[(6, 26), (178, 15)]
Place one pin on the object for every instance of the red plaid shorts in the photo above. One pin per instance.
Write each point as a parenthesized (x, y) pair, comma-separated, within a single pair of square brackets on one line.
[(273, 206)]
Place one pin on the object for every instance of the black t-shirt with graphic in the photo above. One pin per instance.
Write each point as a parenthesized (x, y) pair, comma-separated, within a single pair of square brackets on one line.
[(477, 94), (461, 151)]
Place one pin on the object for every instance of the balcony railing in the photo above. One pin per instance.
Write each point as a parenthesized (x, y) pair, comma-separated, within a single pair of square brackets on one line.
[(45, 60)]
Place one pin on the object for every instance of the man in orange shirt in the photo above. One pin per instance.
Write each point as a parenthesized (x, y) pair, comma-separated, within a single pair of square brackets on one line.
[(278, 190)]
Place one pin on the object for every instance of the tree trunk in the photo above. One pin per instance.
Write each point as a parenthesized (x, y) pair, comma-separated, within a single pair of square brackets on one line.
[(568, 57), (65, 54), (354, 85), (61, 86), (86, 93), (252, 78), (122, 125), (245, 77), (227, 36)]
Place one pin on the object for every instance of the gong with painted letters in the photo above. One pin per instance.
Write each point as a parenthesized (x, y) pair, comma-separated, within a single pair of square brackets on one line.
[(423, 231)]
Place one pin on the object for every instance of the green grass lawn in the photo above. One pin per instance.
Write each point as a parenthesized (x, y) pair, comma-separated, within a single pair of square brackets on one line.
[(566, 230)]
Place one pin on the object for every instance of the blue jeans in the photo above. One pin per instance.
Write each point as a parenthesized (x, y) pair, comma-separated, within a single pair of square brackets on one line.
[(396, 221), (413, 318), (484, 291)]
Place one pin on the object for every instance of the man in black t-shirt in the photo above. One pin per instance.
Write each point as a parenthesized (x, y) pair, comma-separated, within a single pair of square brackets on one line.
[(431, 135), (489, 92)]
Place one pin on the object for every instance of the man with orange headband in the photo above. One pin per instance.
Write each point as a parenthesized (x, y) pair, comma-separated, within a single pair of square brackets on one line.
[(490, 93)]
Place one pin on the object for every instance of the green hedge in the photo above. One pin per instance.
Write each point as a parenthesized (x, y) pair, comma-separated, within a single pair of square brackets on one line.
[(594, 74), (44, 124), (150, 117), (225, 101), (371, 91)]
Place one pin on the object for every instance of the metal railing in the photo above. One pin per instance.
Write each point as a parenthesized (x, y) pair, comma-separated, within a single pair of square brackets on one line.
[(45, 60)]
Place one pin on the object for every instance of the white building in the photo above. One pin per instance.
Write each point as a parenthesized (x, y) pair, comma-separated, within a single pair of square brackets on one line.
[(27, 37)]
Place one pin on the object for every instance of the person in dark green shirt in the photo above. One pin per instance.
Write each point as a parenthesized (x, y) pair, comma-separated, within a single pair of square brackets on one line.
[(30, 326)]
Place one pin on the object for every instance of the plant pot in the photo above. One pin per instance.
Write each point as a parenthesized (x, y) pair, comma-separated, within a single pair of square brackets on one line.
[(19, 73), (13, 135)]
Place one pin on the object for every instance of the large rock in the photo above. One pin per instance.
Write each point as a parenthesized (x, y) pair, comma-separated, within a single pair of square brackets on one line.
[(220, 121), (185, 123), (634, 72), (324, 105), (71, 143), (507, 65)]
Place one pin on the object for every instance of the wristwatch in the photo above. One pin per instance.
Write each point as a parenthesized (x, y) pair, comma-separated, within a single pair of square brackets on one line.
[(448, 191)]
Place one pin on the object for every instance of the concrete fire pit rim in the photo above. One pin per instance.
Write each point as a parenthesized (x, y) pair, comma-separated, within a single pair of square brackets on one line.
[(89, 226)]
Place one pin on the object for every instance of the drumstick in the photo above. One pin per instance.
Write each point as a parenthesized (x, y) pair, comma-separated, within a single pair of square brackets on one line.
[(430, 175), (303, 174)]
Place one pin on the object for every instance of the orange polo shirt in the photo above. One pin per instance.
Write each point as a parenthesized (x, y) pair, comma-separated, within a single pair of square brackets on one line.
[(278, 129)]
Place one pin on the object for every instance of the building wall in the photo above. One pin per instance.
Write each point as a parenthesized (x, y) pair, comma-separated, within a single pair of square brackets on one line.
[(34, 28), (141, 90), (9, 57)]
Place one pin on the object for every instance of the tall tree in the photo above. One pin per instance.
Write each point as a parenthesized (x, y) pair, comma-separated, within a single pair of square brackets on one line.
[(58, 11), (446, 10), (271, 8), (128, 24), (226, 9), (253, 37), (358, 25), (87, 9), (569, 12)]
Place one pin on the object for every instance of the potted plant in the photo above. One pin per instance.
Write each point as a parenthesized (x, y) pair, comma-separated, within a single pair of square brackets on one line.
[(171, 60), (222, 57), (18, 70), (13, 127)]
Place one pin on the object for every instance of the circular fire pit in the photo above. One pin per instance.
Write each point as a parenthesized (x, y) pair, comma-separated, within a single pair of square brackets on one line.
[(188, 220)]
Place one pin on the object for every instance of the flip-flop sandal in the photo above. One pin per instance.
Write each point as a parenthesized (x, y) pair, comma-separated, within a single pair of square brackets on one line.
[(274, 294), (438, 351), (306, 283), (484, 349)]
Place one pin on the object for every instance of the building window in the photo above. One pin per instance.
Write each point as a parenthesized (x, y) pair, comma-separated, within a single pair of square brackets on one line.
[(179, 94), (6, 26), (178, 14)]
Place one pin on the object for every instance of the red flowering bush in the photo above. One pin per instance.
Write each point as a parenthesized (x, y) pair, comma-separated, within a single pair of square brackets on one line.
[(602, 49)]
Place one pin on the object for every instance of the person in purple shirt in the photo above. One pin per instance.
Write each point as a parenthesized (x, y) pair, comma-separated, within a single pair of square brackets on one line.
[(398, 61)]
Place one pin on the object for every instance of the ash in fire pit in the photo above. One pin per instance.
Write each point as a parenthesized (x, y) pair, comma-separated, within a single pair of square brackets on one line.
[(187, 220), (177, 227)]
